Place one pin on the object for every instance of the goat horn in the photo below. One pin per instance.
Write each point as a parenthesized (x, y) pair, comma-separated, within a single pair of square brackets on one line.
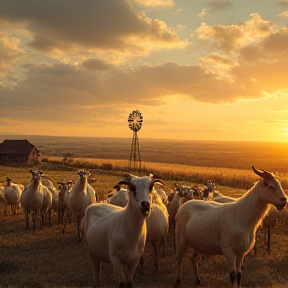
[(129, 176), (158, 181), (263, 173), (123, 182)]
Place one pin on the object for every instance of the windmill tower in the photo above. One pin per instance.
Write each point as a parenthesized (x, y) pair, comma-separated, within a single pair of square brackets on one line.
[(135, 120)]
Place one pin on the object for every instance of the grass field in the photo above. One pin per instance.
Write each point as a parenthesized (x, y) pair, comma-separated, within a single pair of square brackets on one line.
[(48, 258), (235, 155)]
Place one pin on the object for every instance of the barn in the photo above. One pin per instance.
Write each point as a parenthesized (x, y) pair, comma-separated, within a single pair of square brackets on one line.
[(18, 151)]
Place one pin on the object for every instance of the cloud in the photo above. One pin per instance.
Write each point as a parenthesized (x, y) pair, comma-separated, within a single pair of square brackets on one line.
[(219, 5), (277, 43), (254, 52), (273, 48), (215, 6), (96, 64), (270, 77), (67, 26), (155, 3), (283, 3), (280, 111), (203, 12), (9, 52), (231, 37), (218, 64), (283, 14), (84, 81), (65, 89)]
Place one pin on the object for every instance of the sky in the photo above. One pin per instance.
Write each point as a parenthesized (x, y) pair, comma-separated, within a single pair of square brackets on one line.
[(195, 69)]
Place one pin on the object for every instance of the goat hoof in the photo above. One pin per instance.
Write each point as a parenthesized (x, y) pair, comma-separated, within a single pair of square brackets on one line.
[(198, 281), (178, 281)]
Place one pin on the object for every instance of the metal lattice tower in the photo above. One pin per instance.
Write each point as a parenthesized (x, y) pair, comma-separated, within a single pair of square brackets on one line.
[(135, 120)]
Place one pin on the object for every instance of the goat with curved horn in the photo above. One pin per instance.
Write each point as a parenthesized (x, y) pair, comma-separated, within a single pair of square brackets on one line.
[(227, 229)]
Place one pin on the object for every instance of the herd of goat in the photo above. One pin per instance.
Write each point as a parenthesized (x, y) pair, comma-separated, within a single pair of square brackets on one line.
[(139, 212)]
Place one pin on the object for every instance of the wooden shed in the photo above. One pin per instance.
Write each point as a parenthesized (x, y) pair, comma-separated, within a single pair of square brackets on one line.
[(18, 151)]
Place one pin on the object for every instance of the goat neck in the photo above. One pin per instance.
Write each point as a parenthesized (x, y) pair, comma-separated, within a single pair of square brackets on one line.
[(35, 181), (8, 182), (82, 184), (134, 219), (139, 203), (251, 207)]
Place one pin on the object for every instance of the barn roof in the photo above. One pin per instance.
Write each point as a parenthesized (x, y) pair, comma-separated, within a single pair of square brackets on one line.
[(16, 147)]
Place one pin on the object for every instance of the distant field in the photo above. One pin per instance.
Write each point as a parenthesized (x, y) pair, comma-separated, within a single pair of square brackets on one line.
[(235, 155)]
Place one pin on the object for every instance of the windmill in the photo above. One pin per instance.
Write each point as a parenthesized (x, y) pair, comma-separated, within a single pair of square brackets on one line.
[(135, 120)]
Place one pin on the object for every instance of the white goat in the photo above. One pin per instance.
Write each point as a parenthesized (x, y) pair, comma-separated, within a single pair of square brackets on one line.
[(12, 195), (68, 213), (64, 187), (81, 196), (269, 222), (120, 198), (186, 194), (229, 228), (220, 198), (161, 192), (118, 235), (2, 197), (36, 197), (55, 196), (172, 208), (157, 228)]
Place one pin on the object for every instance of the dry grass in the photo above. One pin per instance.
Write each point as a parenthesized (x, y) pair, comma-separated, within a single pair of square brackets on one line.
[(48, 258)]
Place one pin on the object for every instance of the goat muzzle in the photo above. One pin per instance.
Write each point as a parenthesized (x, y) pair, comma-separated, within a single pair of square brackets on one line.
[(282, 205), (145, 208)]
